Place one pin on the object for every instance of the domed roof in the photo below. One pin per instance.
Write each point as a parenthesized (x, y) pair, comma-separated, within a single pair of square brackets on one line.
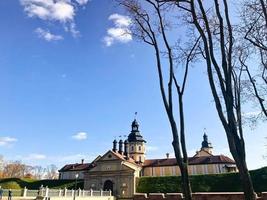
[(135, 135)]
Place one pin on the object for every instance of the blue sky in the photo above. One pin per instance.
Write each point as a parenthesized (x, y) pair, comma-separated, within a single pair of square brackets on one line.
[(69, 85)]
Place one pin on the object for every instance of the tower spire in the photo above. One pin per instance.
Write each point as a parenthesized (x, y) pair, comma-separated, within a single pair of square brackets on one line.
[(136, 143), (206, 145)]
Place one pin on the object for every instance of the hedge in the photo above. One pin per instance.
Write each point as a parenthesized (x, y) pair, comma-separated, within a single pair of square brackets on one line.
[(200, 183), (17, 183), (229, 182)]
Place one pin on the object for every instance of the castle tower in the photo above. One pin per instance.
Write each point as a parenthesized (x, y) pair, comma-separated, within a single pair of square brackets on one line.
[(206, 145), (136, 144)]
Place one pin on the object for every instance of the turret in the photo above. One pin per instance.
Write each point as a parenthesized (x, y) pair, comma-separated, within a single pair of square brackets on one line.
[(206, 145), (136, 143), (120, 147), (115, 146), (126, 149)]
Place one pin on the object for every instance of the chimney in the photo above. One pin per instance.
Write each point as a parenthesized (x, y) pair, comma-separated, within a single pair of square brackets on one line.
[(121, 147), (115, 146), (167, 155), (82, 161), (126, 149)]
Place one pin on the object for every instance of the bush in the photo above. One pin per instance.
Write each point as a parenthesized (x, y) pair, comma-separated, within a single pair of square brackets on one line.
[(10, 185), (203, 183), (16, 183)]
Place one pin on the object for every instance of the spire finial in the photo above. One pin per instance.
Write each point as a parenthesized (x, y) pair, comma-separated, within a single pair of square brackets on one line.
[(205, 132), (135, 115)]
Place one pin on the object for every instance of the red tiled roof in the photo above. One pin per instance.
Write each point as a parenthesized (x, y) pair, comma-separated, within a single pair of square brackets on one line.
[(211, 160), (77, 167), (88, 166), (192, 161)]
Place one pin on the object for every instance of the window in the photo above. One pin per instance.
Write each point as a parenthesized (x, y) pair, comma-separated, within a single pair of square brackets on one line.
[(132, 148), (140, 148), (140, 158)]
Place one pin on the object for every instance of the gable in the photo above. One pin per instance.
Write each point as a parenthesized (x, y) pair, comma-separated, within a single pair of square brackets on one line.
[(112, 161), (108, 156), (202, 153)]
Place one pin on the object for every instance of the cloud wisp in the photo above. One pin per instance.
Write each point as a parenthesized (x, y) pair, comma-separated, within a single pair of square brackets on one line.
[(6, 141), (35, 156), (80, 136), (46, 35), (55, 11), (120, 32), (82, 2), (151, 148)]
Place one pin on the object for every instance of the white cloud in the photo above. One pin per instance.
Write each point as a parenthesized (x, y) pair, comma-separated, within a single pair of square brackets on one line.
[(72, 29), (151, 148), (71, 158), (120, 20), (6, 141), (120, 32), (35, 156), (82, 2), (59, 10), (80, 136), (62, 11), (46, 35)]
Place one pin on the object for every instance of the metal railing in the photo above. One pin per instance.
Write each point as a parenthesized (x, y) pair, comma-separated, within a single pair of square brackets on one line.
[(46, 192)]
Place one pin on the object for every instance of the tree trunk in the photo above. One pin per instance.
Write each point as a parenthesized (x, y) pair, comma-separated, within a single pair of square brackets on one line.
[(245, 180), (186, 183), (247, 185), (186, 187)]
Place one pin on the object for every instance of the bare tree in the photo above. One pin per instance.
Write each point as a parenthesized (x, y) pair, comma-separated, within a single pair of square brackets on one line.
[(254, 22), (15, 170), (254, 30), (51, 172), (212, 21), (150, 24), (38, 172)]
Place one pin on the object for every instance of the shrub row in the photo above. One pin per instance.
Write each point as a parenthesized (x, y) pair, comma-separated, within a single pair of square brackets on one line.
[(16, 183), (203, 183)]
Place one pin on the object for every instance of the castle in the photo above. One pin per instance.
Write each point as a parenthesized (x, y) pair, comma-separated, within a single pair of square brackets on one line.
[(118, 169)]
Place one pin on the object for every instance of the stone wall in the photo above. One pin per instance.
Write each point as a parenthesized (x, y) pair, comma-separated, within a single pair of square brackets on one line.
[(197, 196)]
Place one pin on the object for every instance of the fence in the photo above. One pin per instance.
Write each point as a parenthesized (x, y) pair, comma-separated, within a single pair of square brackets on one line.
[(46, 192), (198, 196)]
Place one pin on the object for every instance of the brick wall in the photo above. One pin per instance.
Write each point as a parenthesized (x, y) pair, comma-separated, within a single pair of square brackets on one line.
[(196, 196)]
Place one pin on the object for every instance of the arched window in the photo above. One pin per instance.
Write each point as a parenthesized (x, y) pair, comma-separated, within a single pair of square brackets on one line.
[(139, 148)]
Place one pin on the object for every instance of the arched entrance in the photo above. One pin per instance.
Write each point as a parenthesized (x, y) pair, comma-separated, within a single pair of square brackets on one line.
[(108, 186)]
